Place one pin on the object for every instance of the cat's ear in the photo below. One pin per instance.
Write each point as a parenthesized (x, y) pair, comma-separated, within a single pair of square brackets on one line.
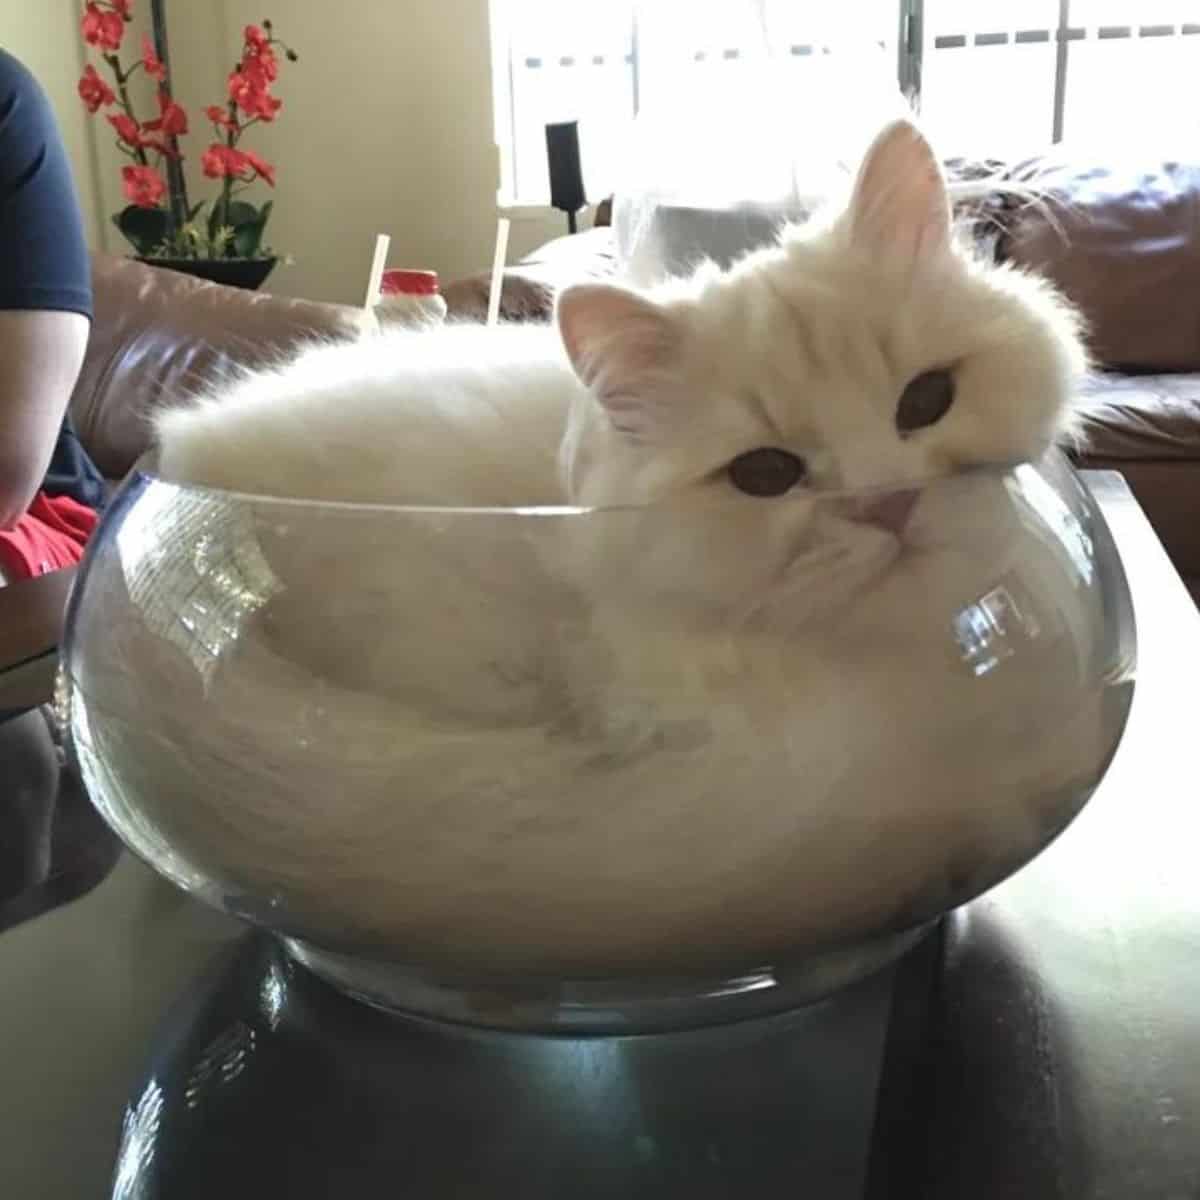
[(900, 206), (622, 346)]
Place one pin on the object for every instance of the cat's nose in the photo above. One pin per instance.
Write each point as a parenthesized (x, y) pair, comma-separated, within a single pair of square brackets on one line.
[(890, 510)]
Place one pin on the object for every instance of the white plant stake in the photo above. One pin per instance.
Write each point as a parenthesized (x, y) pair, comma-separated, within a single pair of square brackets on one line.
[(375, 279), (502, 228)]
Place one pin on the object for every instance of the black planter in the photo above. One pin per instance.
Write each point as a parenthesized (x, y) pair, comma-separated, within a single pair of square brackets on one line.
[(248, 273)]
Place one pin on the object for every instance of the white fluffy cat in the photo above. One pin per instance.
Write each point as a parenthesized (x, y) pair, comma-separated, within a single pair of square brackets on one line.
[(730, 715), (808, 348)]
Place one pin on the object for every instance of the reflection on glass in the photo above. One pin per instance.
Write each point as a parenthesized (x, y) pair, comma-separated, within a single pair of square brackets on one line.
[(987, 630), (230, 577), (139, 1140), (272, 995), (222, 1061), (1055, 515)]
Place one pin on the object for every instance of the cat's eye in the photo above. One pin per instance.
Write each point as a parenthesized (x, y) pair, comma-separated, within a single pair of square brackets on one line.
[(766, 472), (925, 401)]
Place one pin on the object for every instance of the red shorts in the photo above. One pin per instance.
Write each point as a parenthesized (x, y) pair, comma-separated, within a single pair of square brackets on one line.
[(51, 535)]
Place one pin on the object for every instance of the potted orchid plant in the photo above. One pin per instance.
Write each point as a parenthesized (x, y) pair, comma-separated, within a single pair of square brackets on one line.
[(220, 238)]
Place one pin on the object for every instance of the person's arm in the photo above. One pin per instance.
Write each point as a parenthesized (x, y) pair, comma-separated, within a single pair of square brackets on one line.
[(40, 357), (45, 287), (45, 306)]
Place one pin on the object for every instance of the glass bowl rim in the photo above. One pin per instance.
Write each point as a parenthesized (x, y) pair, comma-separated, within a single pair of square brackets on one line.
[(143, 472)]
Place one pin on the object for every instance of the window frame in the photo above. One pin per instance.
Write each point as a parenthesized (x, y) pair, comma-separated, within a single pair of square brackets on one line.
[(912, 52)]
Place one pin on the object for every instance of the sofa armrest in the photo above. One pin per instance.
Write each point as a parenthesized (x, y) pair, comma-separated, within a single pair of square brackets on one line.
[(160, 337), (1117, 235), (32, 613)]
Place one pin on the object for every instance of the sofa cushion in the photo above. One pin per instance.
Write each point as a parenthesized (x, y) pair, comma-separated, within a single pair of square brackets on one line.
[(1139, 418), (160, 337), (1121, 238), (1148, 428), (528, 289)]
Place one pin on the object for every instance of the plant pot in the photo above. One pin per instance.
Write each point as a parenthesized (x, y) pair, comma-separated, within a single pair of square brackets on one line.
[(248, 273)]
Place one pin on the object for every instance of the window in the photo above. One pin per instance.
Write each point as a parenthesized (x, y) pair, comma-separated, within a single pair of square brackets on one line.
[(1013, 76), (990, 76), (558, 60)]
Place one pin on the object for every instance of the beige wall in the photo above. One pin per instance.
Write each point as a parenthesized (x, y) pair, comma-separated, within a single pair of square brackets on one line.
[(44, 36), (387, 127)]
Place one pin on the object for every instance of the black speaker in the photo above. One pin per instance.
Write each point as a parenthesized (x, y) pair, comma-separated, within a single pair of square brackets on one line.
[(566, 174)]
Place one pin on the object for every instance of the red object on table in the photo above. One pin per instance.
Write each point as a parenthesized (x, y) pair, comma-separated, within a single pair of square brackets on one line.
[(409, 283)]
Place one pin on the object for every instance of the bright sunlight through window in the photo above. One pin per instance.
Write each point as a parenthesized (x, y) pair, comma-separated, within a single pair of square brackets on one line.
[(991, 77)]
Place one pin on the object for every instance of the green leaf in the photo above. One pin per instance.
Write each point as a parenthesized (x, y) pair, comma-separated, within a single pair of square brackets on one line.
[(237, 209), (144, 228), (195, 212), (243, 227), (248, 234), (240, 213)]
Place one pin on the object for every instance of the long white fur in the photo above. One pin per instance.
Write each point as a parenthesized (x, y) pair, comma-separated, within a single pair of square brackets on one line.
[(692, 727)]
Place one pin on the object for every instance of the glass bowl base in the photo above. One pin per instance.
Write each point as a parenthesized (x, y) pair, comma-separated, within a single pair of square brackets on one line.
[(600, 1006)]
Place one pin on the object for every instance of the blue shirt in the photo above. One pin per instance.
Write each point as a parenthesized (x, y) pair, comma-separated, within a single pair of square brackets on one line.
[(44, 260)]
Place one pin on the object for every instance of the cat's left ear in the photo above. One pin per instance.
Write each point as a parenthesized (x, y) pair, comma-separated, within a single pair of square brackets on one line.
[(623, 347), (900, 206)]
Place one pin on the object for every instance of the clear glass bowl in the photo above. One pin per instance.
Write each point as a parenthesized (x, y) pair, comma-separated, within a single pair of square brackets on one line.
[(616, 767)]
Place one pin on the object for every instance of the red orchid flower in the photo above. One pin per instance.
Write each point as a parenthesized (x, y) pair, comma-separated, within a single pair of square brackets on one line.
[(220, 161), (171, 120), (154, 65), (94, 92), (220, 116), (143, 186), (262, 168), (128, 130), (102, 27)]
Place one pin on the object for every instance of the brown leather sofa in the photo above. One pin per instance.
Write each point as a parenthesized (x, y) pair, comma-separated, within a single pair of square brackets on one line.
[(1122, 239), (159, 337)]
